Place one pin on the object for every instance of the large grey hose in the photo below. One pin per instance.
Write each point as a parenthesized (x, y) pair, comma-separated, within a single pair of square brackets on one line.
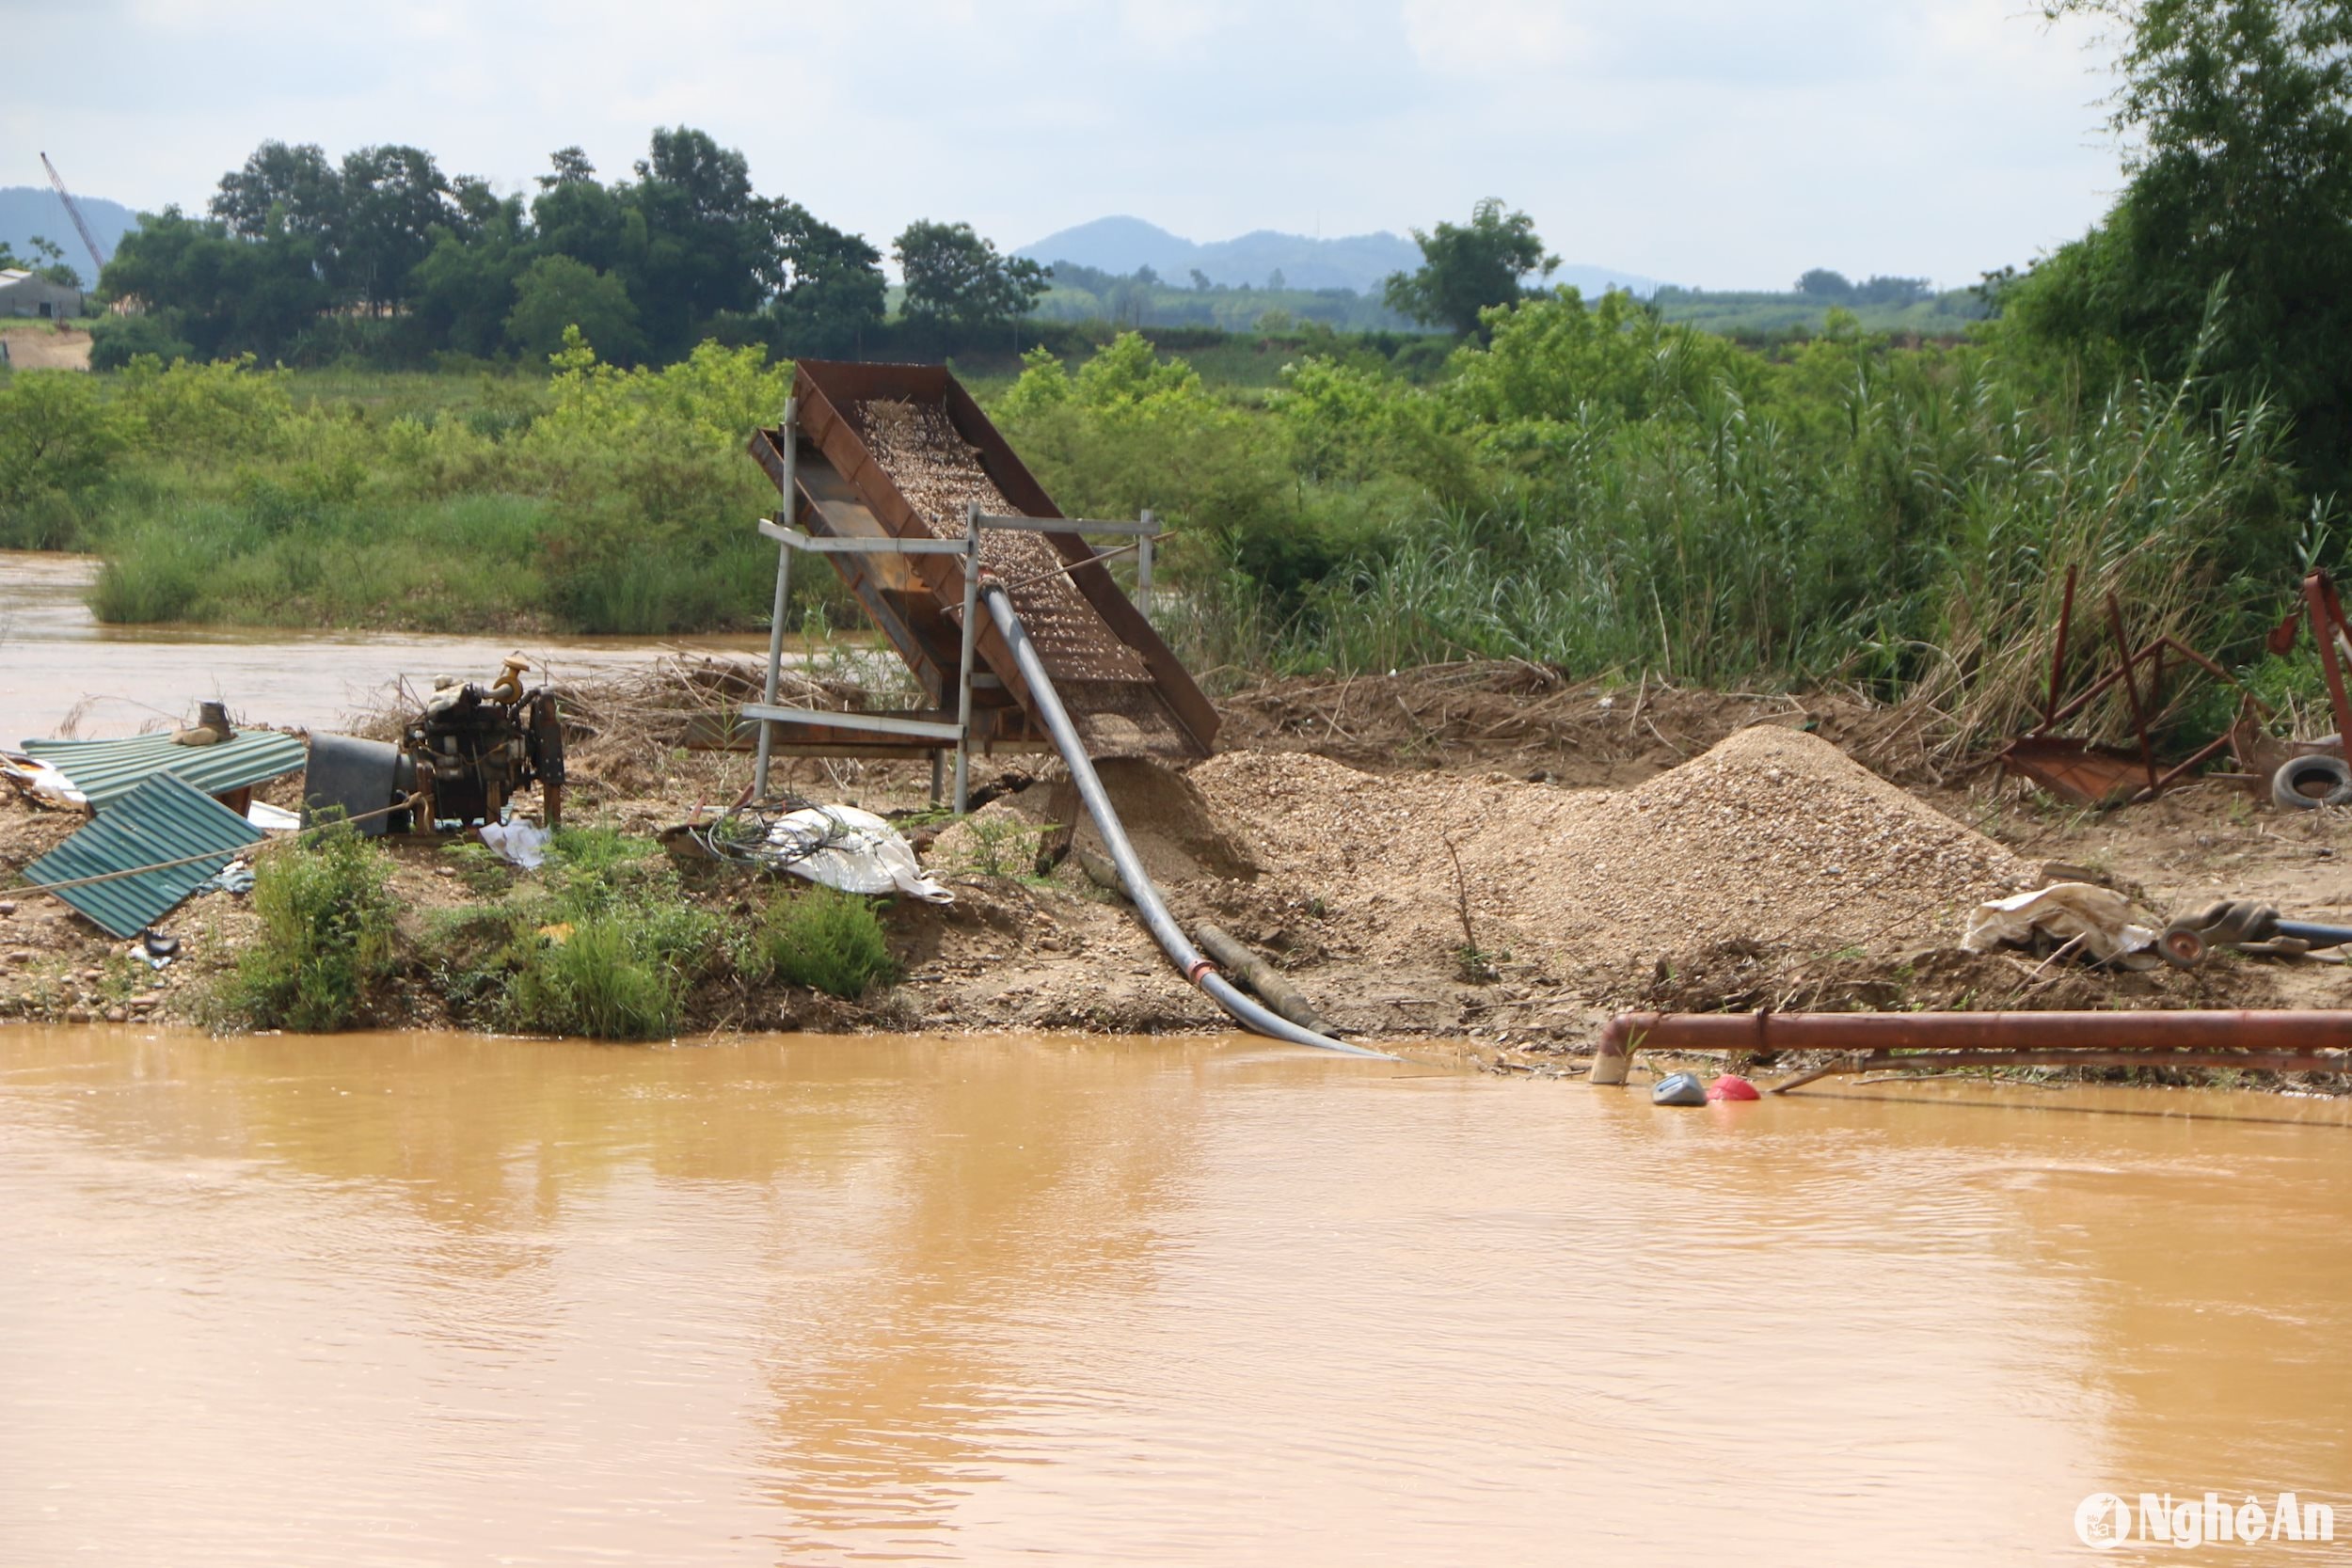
[(1169, 935)]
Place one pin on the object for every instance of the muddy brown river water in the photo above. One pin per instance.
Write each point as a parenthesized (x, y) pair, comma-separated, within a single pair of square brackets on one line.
[(59, 667), (432, 1299)]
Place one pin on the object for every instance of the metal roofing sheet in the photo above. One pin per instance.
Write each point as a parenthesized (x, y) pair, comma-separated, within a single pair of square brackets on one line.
[(162, 819), (105, 770)]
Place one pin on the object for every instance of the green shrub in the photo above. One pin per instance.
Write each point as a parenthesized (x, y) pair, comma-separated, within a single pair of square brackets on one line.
[(827, 941), (608, 948), (325, 949), (595, 979)]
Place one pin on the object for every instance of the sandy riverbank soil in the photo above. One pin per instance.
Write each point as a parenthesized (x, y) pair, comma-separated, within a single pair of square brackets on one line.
[(1479, 854), (46, 348)]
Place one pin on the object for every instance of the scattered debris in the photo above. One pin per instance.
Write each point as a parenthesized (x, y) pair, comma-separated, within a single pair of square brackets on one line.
[(2100, 921), (107, 770), (211, 727), (148, 850), (2243, 925), (839, 847), (41, 783), (518, 843), (1679, 1088), (2091, 774)]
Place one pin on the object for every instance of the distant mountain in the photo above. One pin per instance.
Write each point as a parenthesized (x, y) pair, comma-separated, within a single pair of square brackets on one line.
[(29, 210), (1360, 262)]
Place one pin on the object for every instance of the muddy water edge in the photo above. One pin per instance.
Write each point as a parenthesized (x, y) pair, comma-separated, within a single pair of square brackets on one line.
[(428, 1298)]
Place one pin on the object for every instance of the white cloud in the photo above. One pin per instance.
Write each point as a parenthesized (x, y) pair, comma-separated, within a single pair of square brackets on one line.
[(1715, 141), (1493, 38)]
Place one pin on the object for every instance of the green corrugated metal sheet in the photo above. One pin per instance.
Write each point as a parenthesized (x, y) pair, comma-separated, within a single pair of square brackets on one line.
[(162, 818), (105, 770)]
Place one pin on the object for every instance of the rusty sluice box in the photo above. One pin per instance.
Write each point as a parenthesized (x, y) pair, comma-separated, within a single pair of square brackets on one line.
[(902, 452)]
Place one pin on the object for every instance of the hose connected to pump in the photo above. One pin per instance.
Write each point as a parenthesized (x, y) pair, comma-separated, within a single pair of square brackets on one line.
[(1046, 702)]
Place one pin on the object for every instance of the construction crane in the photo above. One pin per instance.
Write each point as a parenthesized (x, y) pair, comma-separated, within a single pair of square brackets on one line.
[(89, 240)]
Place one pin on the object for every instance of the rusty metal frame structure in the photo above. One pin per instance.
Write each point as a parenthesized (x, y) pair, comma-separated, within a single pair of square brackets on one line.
[(2030, 754), (930, 730), (2334, 636)]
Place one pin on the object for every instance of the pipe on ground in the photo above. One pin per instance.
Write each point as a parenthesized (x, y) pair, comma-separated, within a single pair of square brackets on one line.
[(2313, 1040), (1162, 925)]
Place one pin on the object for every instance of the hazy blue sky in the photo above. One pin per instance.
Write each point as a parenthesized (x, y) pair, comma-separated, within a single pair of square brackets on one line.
[(1720, 142)]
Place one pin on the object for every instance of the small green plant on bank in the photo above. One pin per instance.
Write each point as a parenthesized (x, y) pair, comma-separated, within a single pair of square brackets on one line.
[(602, 978), (604, 943), (1475, 965), (827, 941), (1003, 846), (326, 944), (612, 947)]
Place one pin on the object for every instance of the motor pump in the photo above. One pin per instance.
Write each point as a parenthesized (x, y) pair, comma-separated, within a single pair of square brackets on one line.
[(474, 748)]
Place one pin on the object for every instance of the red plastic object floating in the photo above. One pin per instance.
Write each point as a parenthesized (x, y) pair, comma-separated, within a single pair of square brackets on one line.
[(1732, 1086)]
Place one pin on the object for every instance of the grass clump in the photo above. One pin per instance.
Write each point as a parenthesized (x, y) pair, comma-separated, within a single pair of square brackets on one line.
[(607, 977), (325, 947), (826, 940), (607, 946)]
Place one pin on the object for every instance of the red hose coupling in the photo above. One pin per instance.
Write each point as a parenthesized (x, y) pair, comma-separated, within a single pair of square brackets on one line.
[(1200, 967)]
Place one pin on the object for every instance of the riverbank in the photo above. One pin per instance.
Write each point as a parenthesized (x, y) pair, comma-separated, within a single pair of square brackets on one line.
[(1614, 848)]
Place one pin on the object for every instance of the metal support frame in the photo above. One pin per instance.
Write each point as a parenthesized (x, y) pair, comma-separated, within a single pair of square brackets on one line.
[(971, 546), (790, 539), (792, 444)]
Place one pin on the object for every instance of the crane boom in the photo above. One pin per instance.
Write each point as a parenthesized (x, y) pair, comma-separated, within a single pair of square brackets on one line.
[(89, 240)]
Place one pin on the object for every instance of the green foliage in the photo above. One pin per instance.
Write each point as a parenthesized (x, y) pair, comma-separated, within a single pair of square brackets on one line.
[(828, 285), (325, 949), (2240, 191), (559, 301), (58, 440), (826, 940), (605, 945), (386, 256), (596, 980), (1468, 269), (956, 278)]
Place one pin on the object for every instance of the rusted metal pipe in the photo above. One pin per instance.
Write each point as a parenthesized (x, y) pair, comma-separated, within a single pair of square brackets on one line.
[(2150, 1037)]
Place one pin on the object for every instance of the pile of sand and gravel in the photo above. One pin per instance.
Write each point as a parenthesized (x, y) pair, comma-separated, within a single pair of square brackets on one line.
[(1773, 837)]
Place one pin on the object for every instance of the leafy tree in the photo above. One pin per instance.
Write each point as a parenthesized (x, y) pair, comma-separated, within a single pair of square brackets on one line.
[(48, 261), (556, 292), (1467, 268), (221, 293), (574, 215), (56, 435), (463, 292), (1199, 281), (571, 167), (956, 278), (294, 186), (828, 286), (2240, 196), (1821, 283), (707, 237), (393, 199), (1880, 289), (116, 341)]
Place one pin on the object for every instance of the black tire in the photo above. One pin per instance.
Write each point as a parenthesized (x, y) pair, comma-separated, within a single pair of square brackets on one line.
[(2291, 786)]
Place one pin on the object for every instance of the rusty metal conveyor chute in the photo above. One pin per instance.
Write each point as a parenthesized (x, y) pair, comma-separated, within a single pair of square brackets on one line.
[(894, 475)]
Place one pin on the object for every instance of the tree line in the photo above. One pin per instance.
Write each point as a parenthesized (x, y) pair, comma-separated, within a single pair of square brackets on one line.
[(301, 258)]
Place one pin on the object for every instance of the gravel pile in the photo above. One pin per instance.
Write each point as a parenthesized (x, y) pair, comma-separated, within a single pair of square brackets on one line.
[(1773, 837)]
